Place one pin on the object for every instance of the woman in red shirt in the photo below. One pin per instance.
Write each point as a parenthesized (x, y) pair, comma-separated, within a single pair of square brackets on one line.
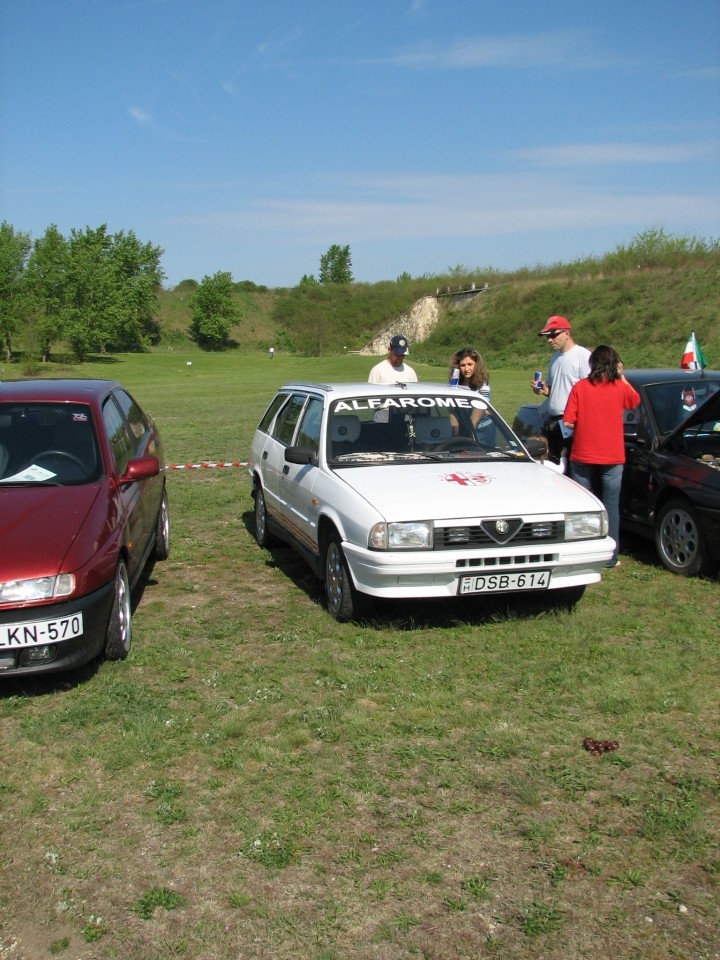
[(595, 411)]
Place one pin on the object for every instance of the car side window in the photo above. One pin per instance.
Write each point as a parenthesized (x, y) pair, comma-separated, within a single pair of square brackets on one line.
[(121, 440), (288, 418), (309, 430), (135, 417), (267, 419)]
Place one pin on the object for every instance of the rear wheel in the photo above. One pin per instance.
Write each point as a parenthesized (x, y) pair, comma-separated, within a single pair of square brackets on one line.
[(263, 536), (343, 600), (119, 631), (679, 540), (162, 530)]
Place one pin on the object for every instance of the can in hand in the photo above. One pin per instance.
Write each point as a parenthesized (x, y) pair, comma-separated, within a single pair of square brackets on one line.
[(538, 380)]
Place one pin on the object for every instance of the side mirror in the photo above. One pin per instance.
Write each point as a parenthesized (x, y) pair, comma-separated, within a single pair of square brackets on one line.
[(536, 448), (300, 455), (140, 468)]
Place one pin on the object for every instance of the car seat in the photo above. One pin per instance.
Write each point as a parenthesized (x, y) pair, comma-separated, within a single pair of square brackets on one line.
[(430, 431), (345, 431), (4, 457)]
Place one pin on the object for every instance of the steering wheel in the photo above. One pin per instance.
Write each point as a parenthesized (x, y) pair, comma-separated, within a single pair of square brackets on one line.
[(457, 443), (63, 454)]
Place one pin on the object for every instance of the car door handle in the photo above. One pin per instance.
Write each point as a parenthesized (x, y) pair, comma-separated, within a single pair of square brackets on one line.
[(265, 455), (286, 469)]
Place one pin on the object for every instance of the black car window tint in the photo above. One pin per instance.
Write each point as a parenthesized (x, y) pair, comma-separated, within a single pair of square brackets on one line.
[(309, 430), (269, 414), (135, 417), (122, 442), (287, 420)]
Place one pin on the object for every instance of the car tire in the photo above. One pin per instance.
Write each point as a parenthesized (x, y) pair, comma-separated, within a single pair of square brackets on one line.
[(264, 538), (162, 530), (119, 631), (343, 600), (679, 540), (567, 597)]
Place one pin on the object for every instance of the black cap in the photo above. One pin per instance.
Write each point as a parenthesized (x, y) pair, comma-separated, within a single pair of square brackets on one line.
[(399, 345)]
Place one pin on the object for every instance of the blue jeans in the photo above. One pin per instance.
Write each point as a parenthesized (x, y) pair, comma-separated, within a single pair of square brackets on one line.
[(607, 478)]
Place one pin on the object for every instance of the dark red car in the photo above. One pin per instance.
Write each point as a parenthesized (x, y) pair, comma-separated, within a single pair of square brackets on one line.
[(83, 507)]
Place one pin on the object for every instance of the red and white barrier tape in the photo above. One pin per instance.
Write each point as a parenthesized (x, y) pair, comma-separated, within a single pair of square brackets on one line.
[(206, 465)]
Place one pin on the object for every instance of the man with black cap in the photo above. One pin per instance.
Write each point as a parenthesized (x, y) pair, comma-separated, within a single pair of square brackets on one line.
[(569, 363), (394, 369)]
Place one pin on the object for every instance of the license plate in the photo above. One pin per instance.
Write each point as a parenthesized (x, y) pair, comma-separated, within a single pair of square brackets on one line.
[(500, 582), (14, 636)]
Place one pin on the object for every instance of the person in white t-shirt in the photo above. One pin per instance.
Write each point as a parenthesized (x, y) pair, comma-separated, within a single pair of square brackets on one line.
[(570, 362), (393, 368)]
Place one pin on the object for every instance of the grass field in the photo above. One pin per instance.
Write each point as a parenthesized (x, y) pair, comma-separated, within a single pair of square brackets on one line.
[(259, 781)]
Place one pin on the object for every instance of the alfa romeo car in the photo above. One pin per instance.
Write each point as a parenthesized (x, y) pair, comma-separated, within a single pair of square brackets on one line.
[(415, 491), (671, 481), (83, 507)]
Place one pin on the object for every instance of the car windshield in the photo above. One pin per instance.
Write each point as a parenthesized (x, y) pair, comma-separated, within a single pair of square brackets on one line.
[(47, 443), (418, 428), (673, 402)]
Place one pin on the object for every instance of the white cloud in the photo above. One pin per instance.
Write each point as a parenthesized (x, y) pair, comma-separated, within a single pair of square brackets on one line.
[(566, 49), (140, 116), (588, 154)]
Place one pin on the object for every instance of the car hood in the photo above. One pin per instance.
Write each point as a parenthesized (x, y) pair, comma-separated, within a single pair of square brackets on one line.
[(709, 410), (41, 526), (457, 490)]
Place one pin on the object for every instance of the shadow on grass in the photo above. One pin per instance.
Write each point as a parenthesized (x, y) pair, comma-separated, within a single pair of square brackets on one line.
[(414, 614)]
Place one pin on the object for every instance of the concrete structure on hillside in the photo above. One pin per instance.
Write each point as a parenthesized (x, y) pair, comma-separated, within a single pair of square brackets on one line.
[(422, 319)]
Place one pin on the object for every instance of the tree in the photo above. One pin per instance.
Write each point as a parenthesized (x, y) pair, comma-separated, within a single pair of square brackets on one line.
[(111, 291), (336, 265), (213, 311), (14, 250), (47, 279)]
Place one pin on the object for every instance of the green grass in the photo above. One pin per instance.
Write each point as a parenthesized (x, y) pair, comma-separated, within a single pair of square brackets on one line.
[(257, 780)]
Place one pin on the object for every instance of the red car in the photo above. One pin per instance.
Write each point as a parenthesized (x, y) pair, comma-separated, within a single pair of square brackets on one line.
[(83, 507)]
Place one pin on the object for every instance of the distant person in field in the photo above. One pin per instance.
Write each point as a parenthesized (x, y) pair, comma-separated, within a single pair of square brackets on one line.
[(393, 368)]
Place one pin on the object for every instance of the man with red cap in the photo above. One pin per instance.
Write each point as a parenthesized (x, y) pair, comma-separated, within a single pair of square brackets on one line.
[(570, 363)]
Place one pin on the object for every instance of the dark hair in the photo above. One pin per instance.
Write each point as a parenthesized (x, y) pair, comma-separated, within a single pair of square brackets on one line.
[(604, 363), (481, 374)]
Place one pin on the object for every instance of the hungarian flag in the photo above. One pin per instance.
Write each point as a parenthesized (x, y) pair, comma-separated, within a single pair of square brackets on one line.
[(693, 358)]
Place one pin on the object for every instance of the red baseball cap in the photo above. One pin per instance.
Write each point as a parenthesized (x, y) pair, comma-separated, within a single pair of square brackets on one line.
[(555, 324)]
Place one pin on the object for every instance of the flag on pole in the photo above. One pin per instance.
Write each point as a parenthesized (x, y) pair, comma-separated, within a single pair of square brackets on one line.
[(693, 358)]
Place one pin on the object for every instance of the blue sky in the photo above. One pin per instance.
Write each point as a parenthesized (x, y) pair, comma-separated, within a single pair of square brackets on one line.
[(250, 135)]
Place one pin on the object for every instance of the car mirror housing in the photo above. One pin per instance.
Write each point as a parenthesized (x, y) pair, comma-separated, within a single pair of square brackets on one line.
[(140, 468), (301, 455)]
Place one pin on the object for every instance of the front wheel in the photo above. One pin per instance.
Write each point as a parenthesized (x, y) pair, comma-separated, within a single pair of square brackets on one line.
[(162, 530), (679, 540), (119, 631), (343, 600), (264, 538)]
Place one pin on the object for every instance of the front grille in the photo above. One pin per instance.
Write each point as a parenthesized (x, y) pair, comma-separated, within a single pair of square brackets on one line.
[(479, 536)]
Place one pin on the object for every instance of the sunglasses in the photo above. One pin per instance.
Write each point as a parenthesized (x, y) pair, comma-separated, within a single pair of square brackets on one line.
[(552, 334)]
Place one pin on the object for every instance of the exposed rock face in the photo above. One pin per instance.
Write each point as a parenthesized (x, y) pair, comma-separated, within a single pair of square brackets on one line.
[(416, 326)]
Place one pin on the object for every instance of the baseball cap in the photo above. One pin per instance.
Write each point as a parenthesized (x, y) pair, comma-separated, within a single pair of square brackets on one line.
[(399, 345), (555, 324)]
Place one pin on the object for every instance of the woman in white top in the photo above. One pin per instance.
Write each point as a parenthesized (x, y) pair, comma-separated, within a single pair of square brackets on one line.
[(474, 375)]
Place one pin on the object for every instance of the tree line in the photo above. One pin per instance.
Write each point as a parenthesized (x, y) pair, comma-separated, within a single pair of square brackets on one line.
[(94, 291)]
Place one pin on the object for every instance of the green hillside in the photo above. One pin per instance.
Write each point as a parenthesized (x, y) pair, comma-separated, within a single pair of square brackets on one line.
[(644, 300)]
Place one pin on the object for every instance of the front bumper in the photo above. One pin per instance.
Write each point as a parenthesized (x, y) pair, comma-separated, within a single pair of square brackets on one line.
[(430, 573), (69, 654)]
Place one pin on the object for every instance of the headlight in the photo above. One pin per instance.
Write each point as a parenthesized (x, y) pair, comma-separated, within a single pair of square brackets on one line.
[(586, 526), (414, 535), (42, 588)]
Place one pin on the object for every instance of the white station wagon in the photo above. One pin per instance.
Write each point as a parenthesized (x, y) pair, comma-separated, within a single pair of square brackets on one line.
[(417, 490)]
